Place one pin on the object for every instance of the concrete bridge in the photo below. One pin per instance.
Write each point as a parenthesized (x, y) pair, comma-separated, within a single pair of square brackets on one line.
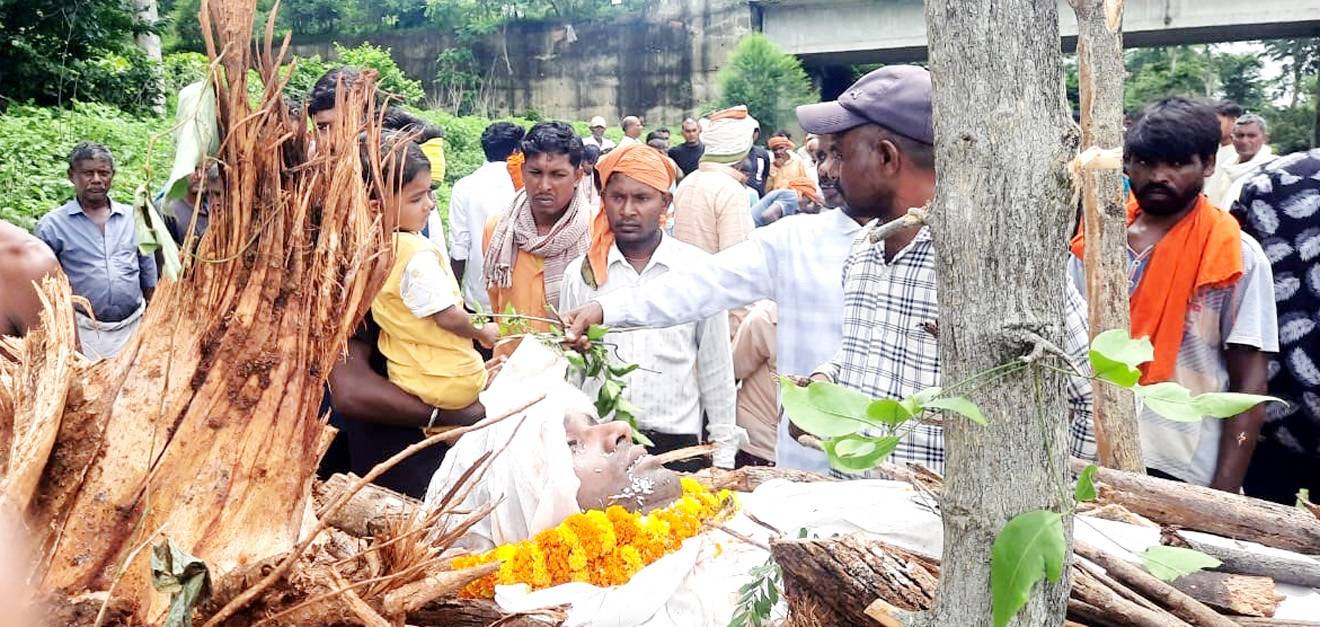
[(838, 32)]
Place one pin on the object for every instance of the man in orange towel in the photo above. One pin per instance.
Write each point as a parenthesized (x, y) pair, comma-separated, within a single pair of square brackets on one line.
[(1201, 290), (687, 369)]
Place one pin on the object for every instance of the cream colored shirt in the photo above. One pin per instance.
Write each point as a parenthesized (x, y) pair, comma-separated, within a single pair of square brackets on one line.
[(754, 368), (711, 210)]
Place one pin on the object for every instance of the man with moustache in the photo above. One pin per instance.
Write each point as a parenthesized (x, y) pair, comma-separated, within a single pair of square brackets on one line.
[(95, 240), (686, 370), (796, 262), (880, 136), (1201, 290)]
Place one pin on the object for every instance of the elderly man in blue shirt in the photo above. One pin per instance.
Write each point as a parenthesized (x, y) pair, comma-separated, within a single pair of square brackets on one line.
[(95, 240)]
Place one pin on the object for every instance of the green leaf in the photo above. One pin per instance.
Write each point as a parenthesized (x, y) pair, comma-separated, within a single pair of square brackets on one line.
[(1169, 400), (916, 403), (1175, 402), (1029, 547), (1085, 490), (197, 134), (959, 405), (1115, 356), (625, 369), (888, 411), (607, 399), (825, 410), (855, 453), (576, 360), (1229, 404), (596, 332), (1171, 562)]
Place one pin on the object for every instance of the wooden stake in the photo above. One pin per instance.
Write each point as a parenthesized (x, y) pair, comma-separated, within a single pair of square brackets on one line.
[(1104, 221)]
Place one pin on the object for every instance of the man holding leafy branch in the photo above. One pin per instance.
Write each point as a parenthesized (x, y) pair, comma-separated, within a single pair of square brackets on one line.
[(686, 370)]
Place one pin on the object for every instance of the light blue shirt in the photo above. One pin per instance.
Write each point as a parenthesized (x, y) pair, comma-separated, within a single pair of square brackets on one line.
[(796, 262), (103, 266)]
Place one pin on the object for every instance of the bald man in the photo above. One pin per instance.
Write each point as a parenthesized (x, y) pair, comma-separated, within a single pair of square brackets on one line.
[(23, 259)]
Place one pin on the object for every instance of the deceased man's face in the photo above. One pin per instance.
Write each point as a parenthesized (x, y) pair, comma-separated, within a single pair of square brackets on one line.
[(613, 470)]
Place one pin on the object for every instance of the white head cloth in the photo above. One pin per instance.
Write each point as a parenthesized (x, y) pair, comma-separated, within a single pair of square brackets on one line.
[(727, 134), (531, 476)]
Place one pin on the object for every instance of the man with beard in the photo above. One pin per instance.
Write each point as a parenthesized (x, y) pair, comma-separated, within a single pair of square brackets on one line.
[(796, 262), (95, 239), (1201, 291), (686, 370), (881, 134)]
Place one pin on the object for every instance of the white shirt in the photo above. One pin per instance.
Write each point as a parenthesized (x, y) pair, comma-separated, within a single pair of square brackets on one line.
[(686, 369), (435, 231), (625, 141), (796, 262), (426, 285), (604, 144), (475, 198)]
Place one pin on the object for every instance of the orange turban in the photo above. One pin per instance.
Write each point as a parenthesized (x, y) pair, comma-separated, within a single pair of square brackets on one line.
[(807, 188), (643, 164), (514, 166), (776, 142)]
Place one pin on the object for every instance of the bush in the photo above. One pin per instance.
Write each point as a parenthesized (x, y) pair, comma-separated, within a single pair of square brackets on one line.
[(765, 79), (35, 142), (391, 79)]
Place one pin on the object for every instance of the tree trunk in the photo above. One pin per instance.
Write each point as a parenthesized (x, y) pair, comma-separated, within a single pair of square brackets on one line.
[(1104, 218), (205, 427), (1000, 219), (146, 14)]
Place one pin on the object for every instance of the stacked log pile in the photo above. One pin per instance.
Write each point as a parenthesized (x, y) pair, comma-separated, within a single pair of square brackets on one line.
[(1106, 591)]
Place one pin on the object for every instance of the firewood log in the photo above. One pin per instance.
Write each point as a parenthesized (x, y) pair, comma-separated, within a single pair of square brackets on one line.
[(1177, 602), (1232, 594)]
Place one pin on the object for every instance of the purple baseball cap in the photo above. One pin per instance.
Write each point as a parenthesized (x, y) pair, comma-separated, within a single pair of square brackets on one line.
[(896, 97)]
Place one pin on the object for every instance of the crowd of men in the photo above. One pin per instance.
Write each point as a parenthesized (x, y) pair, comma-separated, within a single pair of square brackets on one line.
[(718, 264)]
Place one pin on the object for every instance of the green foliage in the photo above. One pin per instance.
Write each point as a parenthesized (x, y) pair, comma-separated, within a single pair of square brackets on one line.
[(1171, 562), (35, 142), (51, 48), (458, 80), (857, 431), (758, 597), (1115, 357), (390, 80), (1085, 490), (770, 82), (594, 363), (182, 69), (1029, 548)]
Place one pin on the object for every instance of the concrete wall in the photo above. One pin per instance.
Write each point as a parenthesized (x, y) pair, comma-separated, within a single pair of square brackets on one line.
[(661, 65)]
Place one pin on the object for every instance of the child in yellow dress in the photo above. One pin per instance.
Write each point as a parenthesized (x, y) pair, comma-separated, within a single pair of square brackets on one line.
[(425, 335)]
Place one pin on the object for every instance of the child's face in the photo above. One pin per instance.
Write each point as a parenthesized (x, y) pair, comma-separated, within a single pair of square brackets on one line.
[(415, 202)]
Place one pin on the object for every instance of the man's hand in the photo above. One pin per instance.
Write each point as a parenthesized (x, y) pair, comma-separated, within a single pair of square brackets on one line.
[(494, 366), (577, 321), (488, 334), (793, 429)]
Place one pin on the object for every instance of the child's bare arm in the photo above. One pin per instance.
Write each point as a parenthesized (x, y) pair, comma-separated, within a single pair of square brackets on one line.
[(455, 320)]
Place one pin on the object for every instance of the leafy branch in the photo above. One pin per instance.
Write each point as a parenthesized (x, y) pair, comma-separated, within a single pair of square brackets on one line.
[(758, 597)]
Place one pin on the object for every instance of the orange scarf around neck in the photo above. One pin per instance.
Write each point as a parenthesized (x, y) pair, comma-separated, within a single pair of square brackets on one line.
[(1202, 251)]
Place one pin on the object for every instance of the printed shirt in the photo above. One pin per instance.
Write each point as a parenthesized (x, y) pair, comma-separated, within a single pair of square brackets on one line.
[(1242, 314), (486, 192), (1280, 206), (103, 266), (686, 369), (795, 262), (887, 351)]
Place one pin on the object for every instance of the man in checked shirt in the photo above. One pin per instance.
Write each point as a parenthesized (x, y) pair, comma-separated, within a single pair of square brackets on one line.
[(881, 148)]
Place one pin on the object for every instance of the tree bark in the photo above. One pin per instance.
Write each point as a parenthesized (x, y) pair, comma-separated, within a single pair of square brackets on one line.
[(1104, 218), (146, 13), (1242, 559), (1233, 594), (839, 577), (1000, 217), (1212, 511)]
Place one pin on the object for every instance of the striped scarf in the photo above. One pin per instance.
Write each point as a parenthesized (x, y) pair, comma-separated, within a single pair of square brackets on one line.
[(567, 239)]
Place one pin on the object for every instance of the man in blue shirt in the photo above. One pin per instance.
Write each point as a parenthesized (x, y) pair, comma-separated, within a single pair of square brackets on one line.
[(95, 240)]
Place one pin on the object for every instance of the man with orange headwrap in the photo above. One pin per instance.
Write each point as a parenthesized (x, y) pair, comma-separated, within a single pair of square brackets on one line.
[(628, 249), (801, 195), (786, 166)]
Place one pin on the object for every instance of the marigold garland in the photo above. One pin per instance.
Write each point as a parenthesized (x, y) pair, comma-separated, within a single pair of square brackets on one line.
[(604, 548)]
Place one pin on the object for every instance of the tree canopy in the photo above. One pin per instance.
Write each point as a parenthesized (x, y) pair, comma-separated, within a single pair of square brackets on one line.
[(770, 82)]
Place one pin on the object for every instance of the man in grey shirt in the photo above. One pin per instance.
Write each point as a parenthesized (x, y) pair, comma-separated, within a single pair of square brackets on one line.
[(95, 240)]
